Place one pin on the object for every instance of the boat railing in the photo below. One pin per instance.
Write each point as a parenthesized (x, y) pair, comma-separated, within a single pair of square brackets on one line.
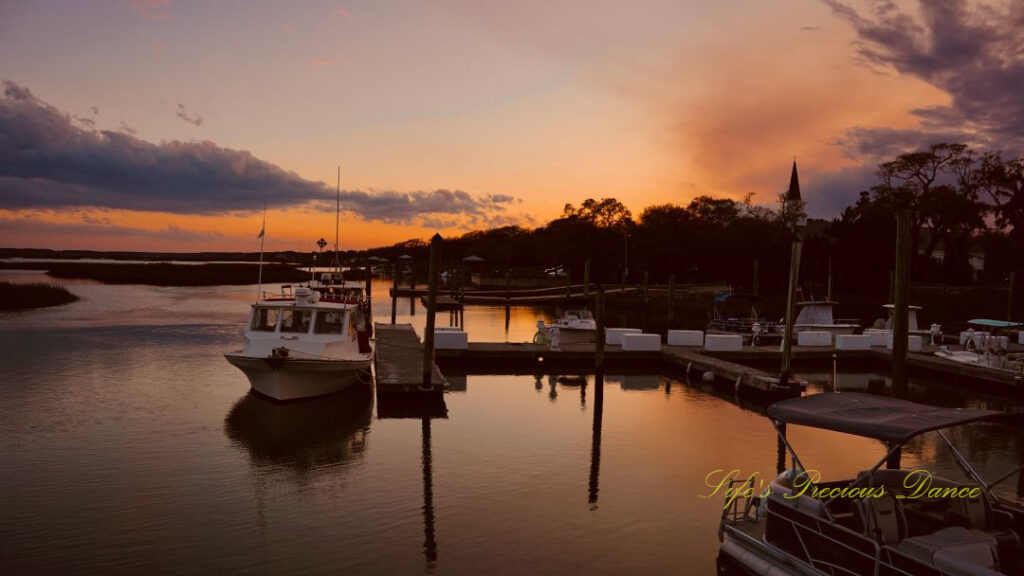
[(846, 321), (743, 501)]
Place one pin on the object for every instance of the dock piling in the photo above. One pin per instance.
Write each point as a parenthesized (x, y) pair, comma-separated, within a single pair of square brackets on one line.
[(787, 338), (428, 331), (599, 349), (586, 279), (394, 292), (901, 293), (671, 300)]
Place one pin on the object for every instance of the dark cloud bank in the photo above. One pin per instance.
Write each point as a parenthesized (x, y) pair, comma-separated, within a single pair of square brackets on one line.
[(48, 162), (972, 51)]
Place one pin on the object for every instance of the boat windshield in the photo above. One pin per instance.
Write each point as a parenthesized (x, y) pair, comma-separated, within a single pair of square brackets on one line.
[(295, 321), (264, 319), (330, 322), (580, 314)]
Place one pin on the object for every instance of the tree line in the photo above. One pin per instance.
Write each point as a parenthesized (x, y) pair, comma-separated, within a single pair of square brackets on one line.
[(962, 202)]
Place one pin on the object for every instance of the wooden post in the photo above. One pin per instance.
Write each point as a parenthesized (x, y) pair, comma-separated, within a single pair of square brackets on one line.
[(1009, 298), (757, 278), (586, 279), (892, 286), (394, 293), (829, 292), (671, 299), (428, 331), (599, 351), (787, 337), (901, 293), (369, 298), (568, 285), (647, 300)]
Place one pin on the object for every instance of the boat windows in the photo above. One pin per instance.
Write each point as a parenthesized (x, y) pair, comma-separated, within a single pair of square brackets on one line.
[(265, 319), (330, 322), (295, 321)]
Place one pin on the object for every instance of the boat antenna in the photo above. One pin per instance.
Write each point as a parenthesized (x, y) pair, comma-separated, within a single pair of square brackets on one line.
[(262, 237), (337, 217)]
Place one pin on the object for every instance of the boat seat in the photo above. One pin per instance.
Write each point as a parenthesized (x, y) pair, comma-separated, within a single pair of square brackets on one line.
[(962, 550), (781, 490), (882, 518)]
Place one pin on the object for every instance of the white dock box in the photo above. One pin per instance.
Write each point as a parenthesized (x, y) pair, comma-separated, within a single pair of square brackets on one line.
[(914, 342), (723, 342), (878, 337), (685, 338), (614, 335), (450, 340), (853, 342), (633, 341), (814, 338)]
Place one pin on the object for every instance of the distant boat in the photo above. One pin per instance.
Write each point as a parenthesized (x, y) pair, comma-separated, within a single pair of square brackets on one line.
[(912, 326), (986, 347), (816, 316), (737, 313), (574, 327), (299, 346)]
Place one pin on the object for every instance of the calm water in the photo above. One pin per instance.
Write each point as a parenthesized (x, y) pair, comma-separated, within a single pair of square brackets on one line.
[(130, 445)]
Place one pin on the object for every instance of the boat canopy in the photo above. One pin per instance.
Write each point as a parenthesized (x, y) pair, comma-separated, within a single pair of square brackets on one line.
[(729, 296), (891, 420), (993, 323)]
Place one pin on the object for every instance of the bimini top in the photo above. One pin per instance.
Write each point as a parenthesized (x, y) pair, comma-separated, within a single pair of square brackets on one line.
[(738, 296), (879, 417), (993, 323)]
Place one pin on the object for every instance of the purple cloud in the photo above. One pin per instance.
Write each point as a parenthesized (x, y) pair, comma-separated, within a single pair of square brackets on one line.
[(47, 161)]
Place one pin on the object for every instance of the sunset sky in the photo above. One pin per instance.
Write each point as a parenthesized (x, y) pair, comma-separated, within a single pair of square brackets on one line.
[(158, 124)]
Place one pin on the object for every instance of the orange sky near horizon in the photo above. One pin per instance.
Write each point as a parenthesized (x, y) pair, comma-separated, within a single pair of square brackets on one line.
[(532, 104)]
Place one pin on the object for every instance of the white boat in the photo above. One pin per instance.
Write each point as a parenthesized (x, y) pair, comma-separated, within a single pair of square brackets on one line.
[(573, 327), (985, 347), (816, 316), (300, 345)]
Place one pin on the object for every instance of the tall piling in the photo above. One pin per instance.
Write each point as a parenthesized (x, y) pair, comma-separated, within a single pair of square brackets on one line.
[(901, 294), (394, 292), (428, 331), (671, 299), (599, 345), (787, 338), (586, 279)]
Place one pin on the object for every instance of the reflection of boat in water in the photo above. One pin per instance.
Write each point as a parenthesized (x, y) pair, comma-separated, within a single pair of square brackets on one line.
[(884, 521), (574, 327), (301, 345), (302, 435)]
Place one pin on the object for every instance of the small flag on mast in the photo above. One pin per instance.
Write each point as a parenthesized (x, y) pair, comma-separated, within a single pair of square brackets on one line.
[(262, 231)]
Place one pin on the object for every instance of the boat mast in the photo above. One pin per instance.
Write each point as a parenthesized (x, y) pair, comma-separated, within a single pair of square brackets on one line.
[(337, 217), (262, 236)]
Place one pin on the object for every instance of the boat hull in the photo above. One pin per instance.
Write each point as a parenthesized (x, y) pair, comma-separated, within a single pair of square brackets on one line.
[(289, 379)]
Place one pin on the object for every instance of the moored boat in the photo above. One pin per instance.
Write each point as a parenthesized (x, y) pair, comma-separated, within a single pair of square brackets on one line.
[(881, 522), (299, 345), (816, 316), (572, 327)]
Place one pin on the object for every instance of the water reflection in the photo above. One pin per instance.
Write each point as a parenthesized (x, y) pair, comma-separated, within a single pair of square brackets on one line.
[(304, 435), (595, 441)]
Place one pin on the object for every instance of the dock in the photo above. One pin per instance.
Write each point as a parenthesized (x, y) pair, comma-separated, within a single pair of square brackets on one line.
[(398, 363), (557, 294), (510, 357)]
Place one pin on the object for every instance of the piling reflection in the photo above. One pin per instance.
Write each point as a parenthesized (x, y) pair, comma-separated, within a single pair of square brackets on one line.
[(595, 441), (304, 435), (429, 543)]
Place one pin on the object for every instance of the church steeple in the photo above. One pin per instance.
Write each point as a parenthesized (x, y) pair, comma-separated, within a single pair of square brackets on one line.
[(794, 185)]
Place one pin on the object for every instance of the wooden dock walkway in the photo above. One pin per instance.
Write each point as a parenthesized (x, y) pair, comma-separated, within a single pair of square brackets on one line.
[(523, 357), (398, 362)]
